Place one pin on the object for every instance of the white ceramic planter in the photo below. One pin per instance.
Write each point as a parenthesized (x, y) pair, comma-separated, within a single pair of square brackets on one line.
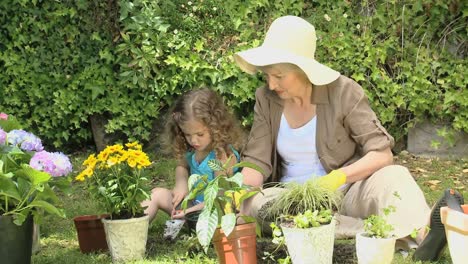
[(310, 245), (374, 250), (126, 238), (456, 230)]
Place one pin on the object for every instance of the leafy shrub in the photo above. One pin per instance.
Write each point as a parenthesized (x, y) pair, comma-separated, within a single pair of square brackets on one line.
[(127, 60)]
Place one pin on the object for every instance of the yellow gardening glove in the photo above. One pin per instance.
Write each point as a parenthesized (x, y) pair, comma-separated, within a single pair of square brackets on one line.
[(333, 180), (237, 196)]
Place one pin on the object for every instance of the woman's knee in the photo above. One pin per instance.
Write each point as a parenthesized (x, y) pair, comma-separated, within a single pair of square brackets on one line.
[(392, 174)]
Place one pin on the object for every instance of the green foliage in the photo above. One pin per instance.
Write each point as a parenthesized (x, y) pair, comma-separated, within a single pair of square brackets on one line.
[(9, 124), (312, 219), (298, 198), (407, 55), (64, 61), (376, 226), (220, 201)]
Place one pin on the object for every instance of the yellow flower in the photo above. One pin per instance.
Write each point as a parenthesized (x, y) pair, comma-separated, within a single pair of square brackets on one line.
[(90, 161), (133, 145), (103, 155), (131, 162), (80, 177), (113, 161), (88, 171)]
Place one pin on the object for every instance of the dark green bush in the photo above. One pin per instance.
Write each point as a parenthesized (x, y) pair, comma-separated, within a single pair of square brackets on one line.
[(62, 62)]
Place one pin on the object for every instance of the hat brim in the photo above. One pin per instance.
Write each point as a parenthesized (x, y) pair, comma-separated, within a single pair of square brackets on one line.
[(317, 73)]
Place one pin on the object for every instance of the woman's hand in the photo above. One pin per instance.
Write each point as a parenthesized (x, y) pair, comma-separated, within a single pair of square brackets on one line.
[(333, 180)]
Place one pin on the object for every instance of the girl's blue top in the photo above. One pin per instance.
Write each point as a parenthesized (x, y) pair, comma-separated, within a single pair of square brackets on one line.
[(202, 168)]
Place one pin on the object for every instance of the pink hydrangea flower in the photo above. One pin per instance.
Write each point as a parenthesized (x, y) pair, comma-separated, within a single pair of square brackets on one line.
[(3, 116), (55, 163), (3, 136)]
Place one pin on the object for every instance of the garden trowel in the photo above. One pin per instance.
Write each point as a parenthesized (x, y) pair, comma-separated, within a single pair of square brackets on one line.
[(172, 228)]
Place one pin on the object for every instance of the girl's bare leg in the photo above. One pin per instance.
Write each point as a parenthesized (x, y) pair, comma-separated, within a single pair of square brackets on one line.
[(161, 198)]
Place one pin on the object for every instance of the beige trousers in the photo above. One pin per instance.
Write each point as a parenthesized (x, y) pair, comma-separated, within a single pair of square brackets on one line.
[(363, 198)]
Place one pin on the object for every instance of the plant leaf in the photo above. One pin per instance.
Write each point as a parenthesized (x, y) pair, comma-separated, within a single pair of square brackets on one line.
[(249, 194), (236, 178), (206, 226), (246, 164), (192, 180), (215, 165), (8, 188), (228, 222), (36, 177), (48, 207), (210, 193)]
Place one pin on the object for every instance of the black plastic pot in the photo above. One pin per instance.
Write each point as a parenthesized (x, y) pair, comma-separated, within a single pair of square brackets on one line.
[(191, 220), (15, 241)]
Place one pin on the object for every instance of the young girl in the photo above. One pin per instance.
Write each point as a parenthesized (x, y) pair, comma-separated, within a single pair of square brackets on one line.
[(199, 128)]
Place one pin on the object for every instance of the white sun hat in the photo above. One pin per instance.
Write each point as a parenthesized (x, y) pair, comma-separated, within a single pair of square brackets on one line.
[(290, 39)]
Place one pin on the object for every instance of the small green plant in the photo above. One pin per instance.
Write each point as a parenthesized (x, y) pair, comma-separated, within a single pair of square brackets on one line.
[(312, 219), (303, 206), (279, 241), (299, 198), (376, 226), (222, 196)]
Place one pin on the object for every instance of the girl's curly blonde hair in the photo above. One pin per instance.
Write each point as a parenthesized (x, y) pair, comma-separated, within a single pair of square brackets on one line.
[(207, 107)]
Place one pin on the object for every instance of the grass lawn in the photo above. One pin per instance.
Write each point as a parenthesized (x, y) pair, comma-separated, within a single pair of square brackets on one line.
[(59, 240)]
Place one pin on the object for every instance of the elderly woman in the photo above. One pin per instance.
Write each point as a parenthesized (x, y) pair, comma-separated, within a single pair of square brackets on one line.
[(310, 121)]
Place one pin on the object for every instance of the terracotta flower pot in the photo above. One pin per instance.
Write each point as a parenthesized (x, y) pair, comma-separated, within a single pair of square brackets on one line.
[(239, 247), (456, 229), (91, 235)]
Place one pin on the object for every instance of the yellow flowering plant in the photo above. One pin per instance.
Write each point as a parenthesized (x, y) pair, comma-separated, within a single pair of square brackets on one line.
[(115, 177)]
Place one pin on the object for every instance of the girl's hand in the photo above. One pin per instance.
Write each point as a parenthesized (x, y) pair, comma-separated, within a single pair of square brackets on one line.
[(177, 214), (178, 194)]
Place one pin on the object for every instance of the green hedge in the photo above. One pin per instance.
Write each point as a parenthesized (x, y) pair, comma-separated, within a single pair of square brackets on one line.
[(64, 61)]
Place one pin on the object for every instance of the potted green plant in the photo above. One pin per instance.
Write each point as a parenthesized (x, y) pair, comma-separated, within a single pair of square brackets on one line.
[(217, 221), (29, 176), (377, 243), (115, 177), (305, 215)]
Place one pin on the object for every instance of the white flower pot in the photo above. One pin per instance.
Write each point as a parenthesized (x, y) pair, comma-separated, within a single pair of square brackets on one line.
[(374, 250), (126, 238), (456, 230), (310, 245)]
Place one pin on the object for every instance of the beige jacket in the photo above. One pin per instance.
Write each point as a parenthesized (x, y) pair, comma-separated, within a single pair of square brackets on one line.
[(347, 128)]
